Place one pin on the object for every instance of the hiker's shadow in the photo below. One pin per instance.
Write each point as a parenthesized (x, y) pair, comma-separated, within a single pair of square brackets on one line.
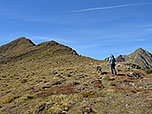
[(121, 74)]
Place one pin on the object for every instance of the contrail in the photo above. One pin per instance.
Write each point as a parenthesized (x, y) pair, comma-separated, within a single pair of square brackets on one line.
[(111, 7)]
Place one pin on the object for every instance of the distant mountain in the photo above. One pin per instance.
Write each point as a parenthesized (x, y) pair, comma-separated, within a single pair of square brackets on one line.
[(140, 56)]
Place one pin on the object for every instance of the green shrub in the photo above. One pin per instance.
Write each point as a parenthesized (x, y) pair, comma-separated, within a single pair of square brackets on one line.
[(148, 71)]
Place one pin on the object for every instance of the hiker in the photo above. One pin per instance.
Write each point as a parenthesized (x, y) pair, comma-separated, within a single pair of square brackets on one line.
[(112, 63)]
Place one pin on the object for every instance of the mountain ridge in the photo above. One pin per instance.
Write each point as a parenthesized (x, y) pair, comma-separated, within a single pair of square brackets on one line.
[(23, 47), (140, 56)]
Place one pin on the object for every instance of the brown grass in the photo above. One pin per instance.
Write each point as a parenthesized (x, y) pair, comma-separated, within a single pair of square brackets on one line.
[(62, 89)]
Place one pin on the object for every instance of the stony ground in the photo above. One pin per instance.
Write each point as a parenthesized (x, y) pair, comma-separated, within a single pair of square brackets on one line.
[(69, 84)]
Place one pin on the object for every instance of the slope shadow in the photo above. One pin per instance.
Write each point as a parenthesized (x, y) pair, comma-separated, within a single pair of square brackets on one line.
[(104, 73), (129, 76), (121, 75)]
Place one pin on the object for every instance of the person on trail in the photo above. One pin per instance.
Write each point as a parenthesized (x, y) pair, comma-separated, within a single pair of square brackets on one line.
[(112, 64)]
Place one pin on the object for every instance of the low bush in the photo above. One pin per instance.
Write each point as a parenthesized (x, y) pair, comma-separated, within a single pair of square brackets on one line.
[(148, 71)]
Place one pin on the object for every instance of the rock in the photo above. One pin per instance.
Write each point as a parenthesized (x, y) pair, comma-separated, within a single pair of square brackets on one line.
[(3, 76), (83, 88), (131, 112), (24, 81), (55, 72), (112, 79), (74, 83), (13, 106), (140, 57), (133, 74), (106, 59), (85, 113), (57, 83), (8, 92), (127, 95), (46, 87), (41, 108), (89, 110), (125, 80), (29, 97), (118, 65), (113, 85), (69, 75), (133, 91), (45, 81), (64, 112)]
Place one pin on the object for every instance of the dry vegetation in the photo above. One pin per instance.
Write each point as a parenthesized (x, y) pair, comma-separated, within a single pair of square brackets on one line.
[(53, 79)]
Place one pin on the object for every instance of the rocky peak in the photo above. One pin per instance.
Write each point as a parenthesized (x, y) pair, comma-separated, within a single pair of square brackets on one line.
[(121, 58), (140, 51), (140, 56)]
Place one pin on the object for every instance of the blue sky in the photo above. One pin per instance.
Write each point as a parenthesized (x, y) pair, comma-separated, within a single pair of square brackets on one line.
[(94, 28)]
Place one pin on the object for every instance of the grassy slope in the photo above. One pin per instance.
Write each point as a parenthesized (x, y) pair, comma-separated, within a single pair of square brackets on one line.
[(51, 80), (16, 47)]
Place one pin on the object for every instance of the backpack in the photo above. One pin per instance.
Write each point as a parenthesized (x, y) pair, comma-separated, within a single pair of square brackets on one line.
[(113, 60)]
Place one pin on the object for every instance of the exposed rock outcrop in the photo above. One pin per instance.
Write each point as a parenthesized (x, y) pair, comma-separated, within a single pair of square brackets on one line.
[(141, 57)]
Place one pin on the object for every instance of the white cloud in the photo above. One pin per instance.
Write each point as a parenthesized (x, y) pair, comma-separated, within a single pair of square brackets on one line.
[(148, 29), (110, 7)]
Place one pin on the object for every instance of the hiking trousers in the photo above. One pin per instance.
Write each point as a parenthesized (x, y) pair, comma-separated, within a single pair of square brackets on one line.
[(113, 69)]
